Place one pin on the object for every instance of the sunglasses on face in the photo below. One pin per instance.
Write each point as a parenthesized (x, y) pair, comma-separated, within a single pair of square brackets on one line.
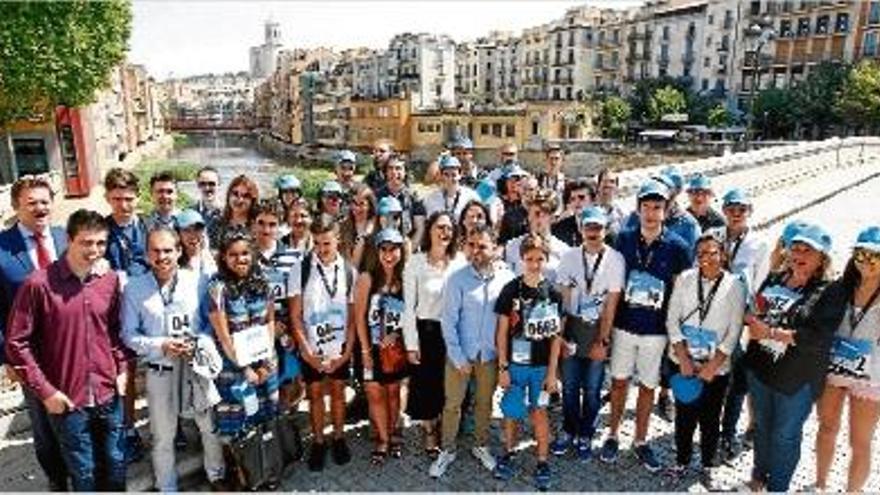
[(333, 196), (865, 256), (240, 195), (206, 183), (581, 197)]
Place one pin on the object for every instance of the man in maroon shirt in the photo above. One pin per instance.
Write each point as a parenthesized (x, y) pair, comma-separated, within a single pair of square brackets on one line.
[(63, 341)]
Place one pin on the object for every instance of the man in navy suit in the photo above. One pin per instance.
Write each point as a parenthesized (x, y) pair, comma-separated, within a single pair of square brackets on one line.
[(28, 245)]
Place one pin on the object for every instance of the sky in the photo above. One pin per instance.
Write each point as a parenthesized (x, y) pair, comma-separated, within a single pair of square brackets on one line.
[(181, 38)]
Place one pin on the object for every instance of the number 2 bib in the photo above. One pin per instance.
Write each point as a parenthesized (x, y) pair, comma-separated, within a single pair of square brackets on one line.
[(851, 358)]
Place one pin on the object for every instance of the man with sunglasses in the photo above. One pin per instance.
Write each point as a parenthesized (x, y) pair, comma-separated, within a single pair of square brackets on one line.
[(208, 204), (508, 154), (463, 149), (553, 177), (577, 195), (514, 219), (383, 152), (748, 257), (346, 163), (700, 195)]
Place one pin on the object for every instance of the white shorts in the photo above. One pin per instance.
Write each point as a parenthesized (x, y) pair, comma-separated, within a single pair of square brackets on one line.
[(641, 354)]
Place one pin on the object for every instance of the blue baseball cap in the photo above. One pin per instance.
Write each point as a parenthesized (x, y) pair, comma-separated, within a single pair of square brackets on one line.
[(389, 236), (189, 218), (652, 188), (513, 170), (869, 239), (449, 161), (346, 156), (735, 196), (287, 182), (699, 182), (462, 142), (387, 206), (675, 176), (814, 236), (686, 389), (331, 187), (485, 190), (791, 230), (593, 215)]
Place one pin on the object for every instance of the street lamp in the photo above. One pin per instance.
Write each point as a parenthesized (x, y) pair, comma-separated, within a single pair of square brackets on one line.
[(762, 30)]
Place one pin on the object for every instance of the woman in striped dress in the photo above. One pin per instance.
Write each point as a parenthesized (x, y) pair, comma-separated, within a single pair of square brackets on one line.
[(239, 301)]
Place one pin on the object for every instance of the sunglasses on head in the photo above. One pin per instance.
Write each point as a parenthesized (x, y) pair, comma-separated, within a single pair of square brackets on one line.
[(865, 256)]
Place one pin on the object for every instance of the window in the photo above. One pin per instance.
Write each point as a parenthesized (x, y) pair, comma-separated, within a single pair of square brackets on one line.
[(496, 130), (665, 33), (704, 85), (534, 127), (484, 129), (725, 42), (555, 93), (870, 44), (822, 23), (571, 56), (728, 19), (842, 24), (30, 155), (711, 19), (422, 127), (786, 6), (707, 62), (510, 130), (708, 41), (785, 29), (874, 13), (803, 26), (568, 93)]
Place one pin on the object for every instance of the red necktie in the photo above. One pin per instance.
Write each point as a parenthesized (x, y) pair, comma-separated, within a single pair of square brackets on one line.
[(44, 259)]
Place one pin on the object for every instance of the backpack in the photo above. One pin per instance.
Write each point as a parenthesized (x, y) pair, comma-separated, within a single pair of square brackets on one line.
[(306, 272)]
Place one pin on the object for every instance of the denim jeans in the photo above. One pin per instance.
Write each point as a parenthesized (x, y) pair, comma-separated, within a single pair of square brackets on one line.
[(46, 444), (779, 422), (581, 395), (92, 440)]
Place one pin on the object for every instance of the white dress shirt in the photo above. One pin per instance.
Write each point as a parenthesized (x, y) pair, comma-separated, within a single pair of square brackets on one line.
[(423, 286), (31, 244)]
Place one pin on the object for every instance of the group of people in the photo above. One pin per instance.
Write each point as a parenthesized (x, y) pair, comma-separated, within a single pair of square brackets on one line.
[(537, 284)]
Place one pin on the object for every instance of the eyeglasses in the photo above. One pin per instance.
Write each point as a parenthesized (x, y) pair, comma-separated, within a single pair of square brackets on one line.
[(206, 183), (240, 195), (508, 153), (865, 256), (708, 253), (333, 196), (580, 197)]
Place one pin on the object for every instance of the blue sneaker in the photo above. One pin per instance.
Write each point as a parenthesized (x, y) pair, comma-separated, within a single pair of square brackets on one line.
[(561, 444), (609, 451), (584, 450), (503, 468), (542, 476), (647, 458)]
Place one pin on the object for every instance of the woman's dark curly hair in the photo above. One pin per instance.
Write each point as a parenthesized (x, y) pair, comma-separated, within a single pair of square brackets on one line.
[(255, 281)]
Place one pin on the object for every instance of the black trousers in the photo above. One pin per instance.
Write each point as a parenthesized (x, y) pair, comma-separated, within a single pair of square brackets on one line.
[(704, 412)]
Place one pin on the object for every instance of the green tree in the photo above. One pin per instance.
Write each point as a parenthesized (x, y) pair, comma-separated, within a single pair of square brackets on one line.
[(719, 116), (775, 112), (614, 114), (815, 96), (699, 107), (644, 89), (664, 101), (58, 53), (859, 100)]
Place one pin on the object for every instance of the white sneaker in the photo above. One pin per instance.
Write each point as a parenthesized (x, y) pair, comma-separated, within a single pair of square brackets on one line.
[(485, 457), (438, 467)]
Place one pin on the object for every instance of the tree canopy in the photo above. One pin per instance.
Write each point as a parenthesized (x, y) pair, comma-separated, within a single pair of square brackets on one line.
[(58, 53)]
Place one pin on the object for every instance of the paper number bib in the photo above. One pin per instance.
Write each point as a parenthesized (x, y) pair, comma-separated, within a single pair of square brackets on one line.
[(178, 321), (327, 332), (645, 290), (542, 321), (252, 344), (277, 285), (851, 358), (774, 303), (386, 312), (590, 307), (701, 342)]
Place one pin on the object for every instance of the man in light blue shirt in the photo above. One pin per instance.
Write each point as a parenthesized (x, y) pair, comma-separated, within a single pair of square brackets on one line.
[(160, 322), (468, 324)]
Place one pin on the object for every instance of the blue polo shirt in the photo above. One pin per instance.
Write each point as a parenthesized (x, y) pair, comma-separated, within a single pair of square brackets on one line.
[(650, 272)]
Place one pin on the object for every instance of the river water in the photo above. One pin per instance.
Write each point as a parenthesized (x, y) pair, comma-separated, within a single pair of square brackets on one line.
[(233, 155)]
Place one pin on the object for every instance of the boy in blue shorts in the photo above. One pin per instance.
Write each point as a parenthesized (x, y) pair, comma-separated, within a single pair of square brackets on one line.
[(529, 340)]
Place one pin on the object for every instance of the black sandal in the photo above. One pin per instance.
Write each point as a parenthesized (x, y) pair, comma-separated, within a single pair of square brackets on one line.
[(378, 457), (396, 448)]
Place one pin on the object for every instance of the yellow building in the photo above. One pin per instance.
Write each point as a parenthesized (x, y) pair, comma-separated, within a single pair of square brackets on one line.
[(389, 119)]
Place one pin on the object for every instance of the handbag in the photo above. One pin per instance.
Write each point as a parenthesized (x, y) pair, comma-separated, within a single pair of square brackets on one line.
[(254, 458), (392, 357)]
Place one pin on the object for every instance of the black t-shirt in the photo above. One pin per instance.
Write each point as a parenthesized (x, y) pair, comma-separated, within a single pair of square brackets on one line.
[(534, 314), (712, 219), (568, 231)]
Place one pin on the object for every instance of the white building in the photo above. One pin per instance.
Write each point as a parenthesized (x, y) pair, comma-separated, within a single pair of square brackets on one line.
[(263, 57)]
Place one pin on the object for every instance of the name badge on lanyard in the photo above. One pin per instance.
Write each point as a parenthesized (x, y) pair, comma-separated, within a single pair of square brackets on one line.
[(178, 322), (277, 284), (590, 307), (252, 344), (701, 342), (520, 351), (645, 290), (851, 358), (775, 303)]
